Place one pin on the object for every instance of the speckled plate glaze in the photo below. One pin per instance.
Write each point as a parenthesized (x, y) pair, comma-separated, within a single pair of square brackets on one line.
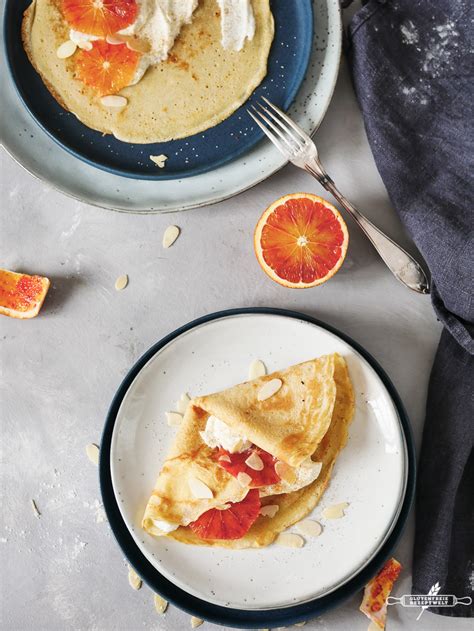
[(40, 155), (287, 64), (372, 473)]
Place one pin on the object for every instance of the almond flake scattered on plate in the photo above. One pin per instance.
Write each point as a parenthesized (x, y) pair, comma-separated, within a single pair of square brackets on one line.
[(121, 282), (161, 605), (336, 511), (173, 419), (289, 540), (92, 451), (182, 403), (269, 389), (200, 490), (196, 622), (224, 458), (36, 511), (254, 462), (170, 235), (257, 369), (160, 160), (300, 624), (243, 478), (309, 528), (133, 579), (269, 510), (67, 49), (113, 100)]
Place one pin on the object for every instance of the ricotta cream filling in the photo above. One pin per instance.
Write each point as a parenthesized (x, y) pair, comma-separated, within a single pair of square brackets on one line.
[(218, 434)]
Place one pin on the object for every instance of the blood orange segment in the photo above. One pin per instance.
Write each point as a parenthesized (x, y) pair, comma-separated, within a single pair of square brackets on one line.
[(107, 67), (21, 295), (99, 17), (301, 240), (265, 477), (231, 523)]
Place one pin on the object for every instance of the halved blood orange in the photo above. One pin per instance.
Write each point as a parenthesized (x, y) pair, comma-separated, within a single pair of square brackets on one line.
[(230, 523), (106, 67), (21, 295), (265, 477), (301, 240), (99, 17)]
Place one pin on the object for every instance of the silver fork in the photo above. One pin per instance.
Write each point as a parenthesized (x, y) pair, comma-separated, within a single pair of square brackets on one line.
[(298, 147)]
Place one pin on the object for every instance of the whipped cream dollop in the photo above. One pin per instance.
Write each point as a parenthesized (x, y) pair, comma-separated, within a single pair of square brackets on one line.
[(218, 434), (306, 473), (237, 23), (159, 22)]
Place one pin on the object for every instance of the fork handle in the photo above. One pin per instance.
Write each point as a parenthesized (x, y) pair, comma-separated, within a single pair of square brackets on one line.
[(402, 265)]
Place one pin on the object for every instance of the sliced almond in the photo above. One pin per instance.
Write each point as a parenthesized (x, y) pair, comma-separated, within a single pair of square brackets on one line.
[(67, 49), (224, 458), (173, 419), (285, 472), (92, 451), (170, 235), (36, 511), (134, 580), (309, 528), (257, 369), (289, 540), (121, 282), (269, 510), (85, 45), (114, 40), (336, 511), (138, 45), (161, 605), (254, 462), (196, 622), (182, 403), (114, 101), (300, 624), (222, 506), (243, 478), (268, 389), (200, 490), (160, 162)]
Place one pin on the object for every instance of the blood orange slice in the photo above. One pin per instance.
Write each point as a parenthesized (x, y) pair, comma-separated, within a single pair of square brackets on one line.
[(264, 477), (301, 240), (107, 67), (99, 17), (21, 295), (230, 523)]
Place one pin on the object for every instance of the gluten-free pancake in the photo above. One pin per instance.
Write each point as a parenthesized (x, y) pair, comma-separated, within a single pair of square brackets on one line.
[(327, 380), (197, 87)]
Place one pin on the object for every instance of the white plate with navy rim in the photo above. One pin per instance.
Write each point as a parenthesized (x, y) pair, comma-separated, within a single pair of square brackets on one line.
[(374, 473), (38, 154)]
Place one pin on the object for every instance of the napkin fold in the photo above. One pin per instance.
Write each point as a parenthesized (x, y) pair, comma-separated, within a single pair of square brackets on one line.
[(412, 64)]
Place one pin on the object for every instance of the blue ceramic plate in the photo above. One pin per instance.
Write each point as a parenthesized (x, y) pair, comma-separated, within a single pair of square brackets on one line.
[(287, 64), (374, 473)]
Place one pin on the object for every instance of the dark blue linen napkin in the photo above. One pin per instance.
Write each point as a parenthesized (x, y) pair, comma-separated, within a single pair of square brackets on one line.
[(412, 64)]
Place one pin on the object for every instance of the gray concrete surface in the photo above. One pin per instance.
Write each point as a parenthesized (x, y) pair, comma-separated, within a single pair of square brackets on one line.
[(63, 570)]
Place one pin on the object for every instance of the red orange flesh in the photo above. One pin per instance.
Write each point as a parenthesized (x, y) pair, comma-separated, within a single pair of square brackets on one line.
[(99, 17), (107, 68), (301, 240)]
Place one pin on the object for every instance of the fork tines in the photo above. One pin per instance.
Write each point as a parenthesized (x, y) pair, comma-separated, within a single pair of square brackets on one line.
[(286, 135)]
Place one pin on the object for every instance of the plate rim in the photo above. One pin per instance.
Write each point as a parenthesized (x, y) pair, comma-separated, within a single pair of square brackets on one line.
[(305, 58), (18, 154), (253, 617)]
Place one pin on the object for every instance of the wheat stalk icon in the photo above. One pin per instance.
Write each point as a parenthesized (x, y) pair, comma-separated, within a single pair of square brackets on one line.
[(433, 591)]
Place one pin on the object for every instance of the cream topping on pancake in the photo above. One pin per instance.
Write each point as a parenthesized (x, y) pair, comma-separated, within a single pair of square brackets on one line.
[(165, 526), (218, 434), (159, 22), (237, 23)]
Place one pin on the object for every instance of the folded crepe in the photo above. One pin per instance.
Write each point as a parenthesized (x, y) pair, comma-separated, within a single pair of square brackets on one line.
[(296, 434)]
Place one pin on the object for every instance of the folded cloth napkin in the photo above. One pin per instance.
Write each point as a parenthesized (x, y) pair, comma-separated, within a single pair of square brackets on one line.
[(412, 64)]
